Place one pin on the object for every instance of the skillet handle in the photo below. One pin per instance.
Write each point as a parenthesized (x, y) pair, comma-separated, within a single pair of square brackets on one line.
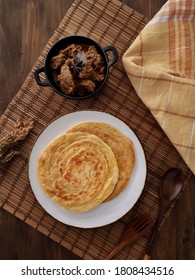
[(37, 77), (114, 52)]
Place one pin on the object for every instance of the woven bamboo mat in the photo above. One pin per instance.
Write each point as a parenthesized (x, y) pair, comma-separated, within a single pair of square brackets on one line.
[(109, 23)]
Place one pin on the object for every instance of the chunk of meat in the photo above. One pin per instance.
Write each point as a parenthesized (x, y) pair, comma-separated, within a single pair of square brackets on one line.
[(64, 55), (71, 50), (86, 85), (94, 69), (66, 80), (57, 61)]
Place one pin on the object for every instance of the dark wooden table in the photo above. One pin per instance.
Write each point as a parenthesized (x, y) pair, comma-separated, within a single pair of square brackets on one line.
[(25, 27)]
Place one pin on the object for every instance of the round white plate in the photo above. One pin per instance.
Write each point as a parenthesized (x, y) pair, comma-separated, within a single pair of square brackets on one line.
[(106, 212)]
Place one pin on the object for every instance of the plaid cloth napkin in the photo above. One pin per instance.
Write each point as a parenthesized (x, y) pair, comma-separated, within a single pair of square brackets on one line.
[(161, 67)]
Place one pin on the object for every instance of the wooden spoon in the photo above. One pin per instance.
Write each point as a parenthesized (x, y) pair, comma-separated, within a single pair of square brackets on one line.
[(171, 186)]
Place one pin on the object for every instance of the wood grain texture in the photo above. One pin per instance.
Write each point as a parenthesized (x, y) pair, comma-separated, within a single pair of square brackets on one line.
[(25, 27), (147, 8)]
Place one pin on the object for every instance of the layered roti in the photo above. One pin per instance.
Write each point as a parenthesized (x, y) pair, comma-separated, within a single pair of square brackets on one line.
[(78, 170), (121, 146)]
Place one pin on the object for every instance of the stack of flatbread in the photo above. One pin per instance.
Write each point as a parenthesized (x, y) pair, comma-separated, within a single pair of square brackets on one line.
[(91, 163)]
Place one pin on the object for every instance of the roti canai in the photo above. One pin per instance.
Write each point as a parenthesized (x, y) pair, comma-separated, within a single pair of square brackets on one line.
[(121, 146), (78, 170)]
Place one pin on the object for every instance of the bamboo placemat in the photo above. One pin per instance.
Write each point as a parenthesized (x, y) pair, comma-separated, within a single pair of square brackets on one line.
[(109, 23)]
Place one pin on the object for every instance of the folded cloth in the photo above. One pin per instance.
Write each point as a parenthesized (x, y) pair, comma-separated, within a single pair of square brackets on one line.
[(161, 67)]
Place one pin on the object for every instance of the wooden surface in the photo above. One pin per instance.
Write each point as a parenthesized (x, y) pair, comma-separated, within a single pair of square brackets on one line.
[(26, 26)]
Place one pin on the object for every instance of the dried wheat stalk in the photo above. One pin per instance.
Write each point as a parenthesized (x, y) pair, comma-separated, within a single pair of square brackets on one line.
[(19, 133)]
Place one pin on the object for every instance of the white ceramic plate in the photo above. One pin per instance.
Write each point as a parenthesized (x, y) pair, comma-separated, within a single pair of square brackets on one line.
[(106, 212)]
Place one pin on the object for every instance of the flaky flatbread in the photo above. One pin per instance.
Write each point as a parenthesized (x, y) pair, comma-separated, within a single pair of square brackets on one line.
[(78, 170), (121, 146)]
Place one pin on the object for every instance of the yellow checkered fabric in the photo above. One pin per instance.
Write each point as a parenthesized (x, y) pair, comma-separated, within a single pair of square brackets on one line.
[(161, 67)]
